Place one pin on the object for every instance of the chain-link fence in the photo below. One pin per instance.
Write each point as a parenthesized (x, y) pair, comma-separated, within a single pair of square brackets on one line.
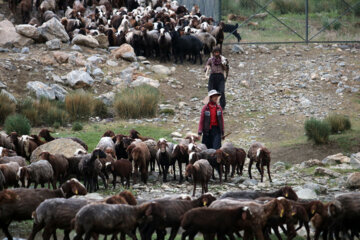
[(207, 7), (293, 21)]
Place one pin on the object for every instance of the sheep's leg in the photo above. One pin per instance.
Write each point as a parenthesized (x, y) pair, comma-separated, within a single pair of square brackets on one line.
[(35, 185), (158, 164), (180, 169), (48, 231), (67, 234), (165, 171), (103, 179), (233, 166), (36, 228), (194, 187), (128, 182), (268, 169), (201, 61), (277, 233), (262, 172), (258, 168), (173, 232), (174, 171), (306, 225), (87, 236), (5, 228), (250, 164), (114, 180), (203, 187)]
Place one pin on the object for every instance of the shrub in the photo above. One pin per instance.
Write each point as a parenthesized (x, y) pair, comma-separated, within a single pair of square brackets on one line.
[(78, 105), (325, 23), (336, 25), (99, 109), (7, 107), (288, 6), (137, 102), (317, 131), (17, 123), (56, 125), (77, 126), (338, 123), (56, 115)]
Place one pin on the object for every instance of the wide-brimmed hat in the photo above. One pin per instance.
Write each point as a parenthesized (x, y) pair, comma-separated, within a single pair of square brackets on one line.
[(210, 94)]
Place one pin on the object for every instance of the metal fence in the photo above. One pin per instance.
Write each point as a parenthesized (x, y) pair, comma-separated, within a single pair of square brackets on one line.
[(308, 28), (207, 7)]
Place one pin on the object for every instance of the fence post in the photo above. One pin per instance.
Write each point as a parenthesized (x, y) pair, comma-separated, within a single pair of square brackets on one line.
[(307, 21)]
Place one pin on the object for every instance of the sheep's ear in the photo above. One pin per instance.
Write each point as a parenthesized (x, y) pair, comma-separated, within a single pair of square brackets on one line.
[(74, 189), (244, 215)]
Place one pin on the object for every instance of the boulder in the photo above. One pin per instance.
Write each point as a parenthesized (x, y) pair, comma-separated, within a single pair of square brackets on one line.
[(40, 89), (102, 40), (64, 146), (327, 172), (355, 160), (319, 189), (53, 44), (98, 73), (140, 80), (236, 48), (306, 193), (10, 96), (95, 59), (126, 52), (53, 29), (61, 57), (59, 91), (25, 50), (353, 181), (336, 159), (79, 79), (87, 41), (107, 98), (9, 36), (161, 69), (29, 31)]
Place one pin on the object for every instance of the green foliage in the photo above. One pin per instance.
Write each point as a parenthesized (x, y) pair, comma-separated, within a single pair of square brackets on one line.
[(167, 111), (78, 105), (43, 112), (137, 102), (336, 25), (17, 123), (77, 126), (99, 109), (338, 123), (288, 6), (56, 125), (7, 107), (317, 131)]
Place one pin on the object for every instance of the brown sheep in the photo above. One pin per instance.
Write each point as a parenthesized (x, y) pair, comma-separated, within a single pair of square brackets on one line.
[(210, 221), (261, 156), (19, 160), (57, 213), (261, 214), (173, 209), (19, 204), (39, 172), (181, 155), (9, 170), (122, 168), (59, 164), (111, 219), (141, 157), (201, 171), (109, 133), (136, 135)]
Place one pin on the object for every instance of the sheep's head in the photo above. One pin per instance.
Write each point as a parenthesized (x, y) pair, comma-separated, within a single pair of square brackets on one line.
[(73, 187), (245, 213), (316, 207), (44, 155), (109, 133), (206, 199), (98, 153), (134, 134), (221, 156), (45, 133), (129, 197), (289, 193), (127, 141), (162, 145), (263, 155), (193, 157), (14, 137), (189, 170)]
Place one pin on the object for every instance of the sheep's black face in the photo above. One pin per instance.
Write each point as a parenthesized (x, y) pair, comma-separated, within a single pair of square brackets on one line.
[(289, 193), (98, 153)]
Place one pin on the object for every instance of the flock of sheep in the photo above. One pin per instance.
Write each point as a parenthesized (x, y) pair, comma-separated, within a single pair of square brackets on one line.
[(157, 28), (250, 214)]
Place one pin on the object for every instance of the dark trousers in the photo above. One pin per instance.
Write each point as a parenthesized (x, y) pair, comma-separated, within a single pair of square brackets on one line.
[(217, 82), (213, 138)]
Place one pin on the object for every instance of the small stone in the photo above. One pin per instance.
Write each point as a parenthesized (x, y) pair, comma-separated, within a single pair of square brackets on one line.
[(176, 134), (76, 48), (126, 75), (140, 80), (306, 193), (107, 98), (311, 163), (95, 59), (314, 76), (326, 172), (336, 159), (355, 160), (353, 181), (236, 48), (53, 44), (88, 41), (319, 189), (25, 50), (161, 69), (97, 72), (79, 79), (112, 63), (61, 57)]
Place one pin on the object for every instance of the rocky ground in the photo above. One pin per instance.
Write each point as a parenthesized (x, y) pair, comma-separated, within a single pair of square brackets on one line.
[(271, 90)]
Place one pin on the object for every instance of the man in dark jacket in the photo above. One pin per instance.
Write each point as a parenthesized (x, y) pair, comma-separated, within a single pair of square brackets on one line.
[(211, 124)]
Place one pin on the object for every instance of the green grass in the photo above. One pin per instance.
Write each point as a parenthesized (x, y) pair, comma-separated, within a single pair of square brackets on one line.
[(91, 133)]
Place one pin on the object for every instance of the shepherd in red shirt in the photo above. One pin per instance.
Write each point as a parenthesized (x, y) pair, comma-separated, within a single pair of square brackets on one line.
[(211, 124)]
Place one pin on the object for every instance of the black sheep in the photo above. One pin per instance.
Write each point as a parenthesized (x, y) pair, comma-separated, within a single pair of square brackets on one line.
[(90, 169), (232, 29), (186, 45)]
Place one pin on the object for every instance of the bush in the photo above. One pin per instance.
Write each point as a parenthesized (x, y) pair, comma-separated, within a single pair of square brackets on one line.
[(56, 115), (7, 107), (336, 25), (288, 6), (338, 123), (317, 131), (77, 126), (99, 109), (56, 125), (78, 105), (17, 123), (137, 102)]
